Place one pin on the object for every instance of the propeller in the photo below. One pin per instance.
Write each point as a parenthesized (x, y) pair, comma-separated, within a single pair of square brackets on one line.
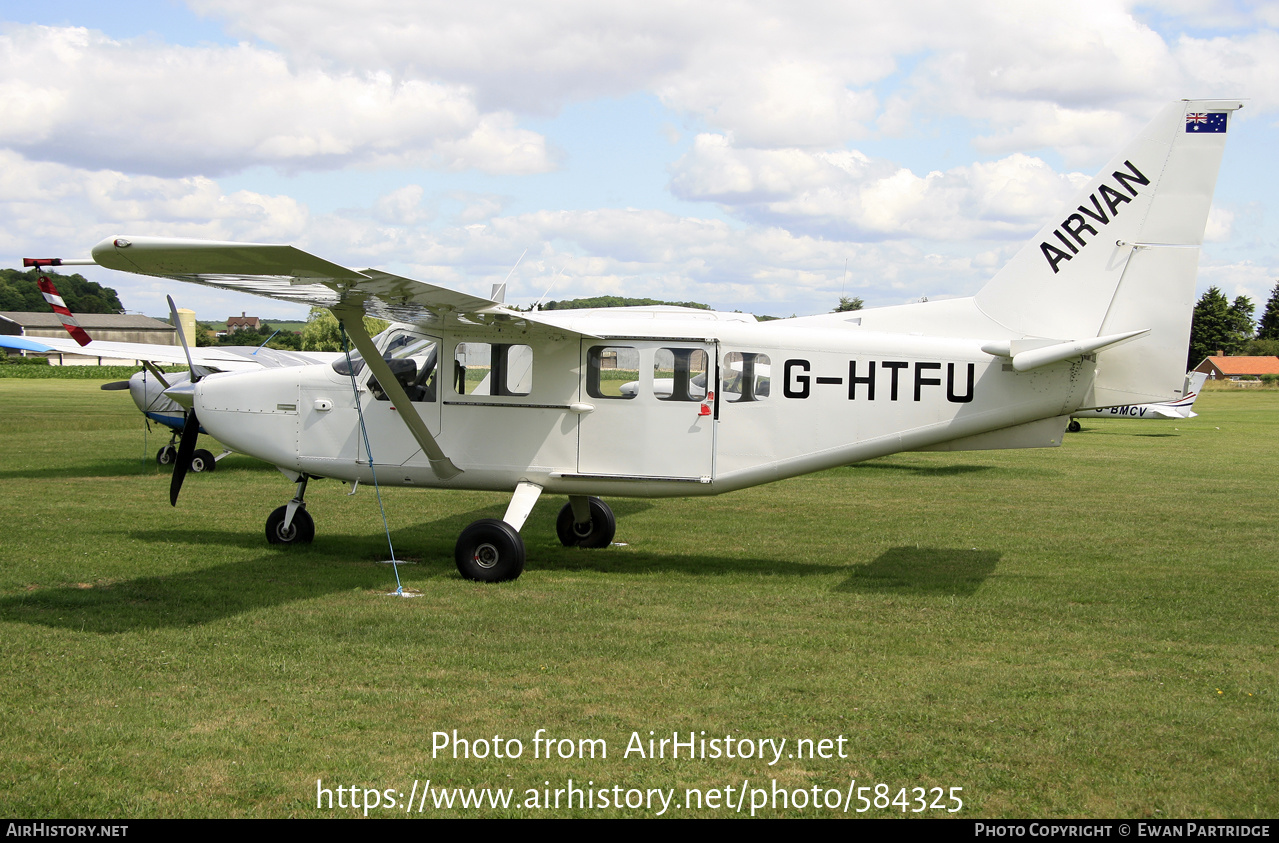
[(191, 428), (186, 448), (115, 385)]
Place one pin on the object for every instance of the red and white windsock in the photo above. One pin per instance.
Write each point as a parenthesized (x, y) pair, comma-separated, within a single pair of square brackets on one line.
[(60, 307)]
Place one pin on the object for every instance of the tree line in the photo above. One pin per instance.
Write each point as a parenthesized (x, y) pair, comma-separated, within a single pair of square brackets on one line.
[(19, 293), (1222, 325)]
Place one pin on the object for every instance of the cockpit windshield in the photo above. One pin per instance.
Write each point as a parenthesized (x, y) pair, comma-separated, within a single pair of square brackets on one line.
[(411, 357)]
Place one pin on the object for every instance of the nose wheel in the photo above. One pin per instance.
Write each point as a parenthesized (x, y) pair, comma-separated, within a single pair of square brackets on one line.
[(301, 530), (291, 523), (203, 460)]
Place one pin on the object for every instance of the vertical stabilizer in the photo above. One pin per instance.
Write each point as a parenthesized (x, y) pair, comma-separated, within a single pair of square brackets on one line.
[(1123, 255)]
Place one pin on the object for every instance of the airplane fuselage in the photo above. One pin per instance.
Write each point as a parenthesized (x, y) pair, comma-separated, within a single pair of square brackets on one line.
[(816, 398)]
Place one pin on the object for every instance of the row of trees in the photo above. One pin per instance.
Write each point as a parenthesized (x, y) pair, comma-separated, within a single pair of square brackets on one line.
[(19, 293), (205, 335), (1226, 326)]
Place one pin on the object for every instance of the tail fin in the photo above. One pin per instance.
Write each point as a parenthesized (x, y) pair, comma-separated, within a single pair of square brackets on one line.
[(1123, 256), (1194, 383)]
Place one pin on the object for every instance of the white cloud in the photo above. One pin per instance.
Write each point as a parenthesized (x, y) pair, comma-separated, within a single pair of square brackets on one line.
[(402, 206), (781, 76), (850, 195), (52, 208), (1242, 66), (143, 107), (1241, 278), (104, 134), (1220, 223)]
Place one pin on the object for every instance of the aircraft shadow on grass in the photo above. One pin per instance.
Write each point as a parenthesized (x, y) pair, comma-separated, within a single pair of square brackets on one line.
[(300, 573), (924, 570), (124, 466), (102, 467), (922, 470)]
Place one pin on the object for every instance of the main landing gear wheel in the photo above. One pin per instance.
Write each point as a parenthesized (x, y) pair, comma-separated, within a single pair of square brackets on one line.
[(301, 531), (1074, 426), (203, 460), (166, 455), (598, 532), (490, 550)]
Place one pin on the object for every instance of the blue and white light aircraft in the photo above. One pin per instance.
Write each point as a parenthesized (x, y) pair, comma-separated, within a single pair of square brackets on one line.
[(1093, 312)]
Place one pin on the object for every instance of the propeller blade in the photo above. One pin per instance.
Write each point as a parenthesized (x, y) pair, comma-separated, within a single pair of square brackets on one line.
[(115, 385), (186, 449), (197, 372)]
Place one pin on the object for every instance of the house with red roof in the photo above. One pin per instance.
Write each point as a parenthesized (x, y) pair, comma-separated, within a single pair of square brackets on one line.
[(1238, 368), (235, 323)]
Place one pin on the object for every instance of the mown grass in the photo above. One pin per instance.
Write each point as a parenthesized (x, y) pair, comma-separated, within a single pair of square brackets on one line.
[(1086, 631)]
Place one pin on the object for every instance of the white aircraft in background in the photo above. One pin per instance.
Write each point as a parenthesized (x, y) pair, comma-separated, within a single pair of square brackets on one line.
[(147, 387), (1093, 312), (1177, 408)]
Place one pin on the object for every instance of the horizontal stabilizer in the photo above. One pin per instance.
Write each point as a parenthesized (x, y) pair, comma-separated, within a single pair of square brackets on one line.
[(1032, 358)]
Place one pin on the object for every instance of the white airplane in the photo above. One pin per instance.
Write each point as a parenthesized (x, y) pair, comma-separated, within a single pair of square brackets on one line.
[(1177, 408), (147, 387), (1093, 312)]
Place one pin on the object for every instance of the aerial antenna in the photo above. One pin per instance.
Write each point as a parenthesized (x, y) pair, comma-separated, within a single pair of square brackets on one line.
[(499, 290), (844, 285), (265, 341), (548, 289)]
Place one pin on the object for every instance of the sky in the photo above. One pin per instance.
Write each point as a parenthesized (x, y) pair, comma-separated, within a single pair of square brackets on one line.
[(761, 156)]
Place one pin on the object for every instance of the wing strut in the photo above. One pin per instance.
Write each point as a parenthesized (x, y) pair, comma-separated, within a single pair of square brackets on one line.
[(352, 319)]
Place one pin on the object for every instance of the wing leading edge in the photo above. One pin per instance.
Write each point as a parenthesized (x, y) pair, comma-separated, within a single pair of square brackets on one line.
[(290, 274)]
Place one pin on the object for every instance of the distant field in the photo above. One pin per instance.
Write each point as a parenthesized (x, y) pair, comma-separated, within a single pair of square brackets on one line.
[(1088, 631)]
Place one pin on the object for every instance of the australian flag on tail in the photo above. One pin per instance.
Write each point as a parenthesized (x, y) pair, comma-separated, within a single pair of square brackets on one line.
[(1206, 121)]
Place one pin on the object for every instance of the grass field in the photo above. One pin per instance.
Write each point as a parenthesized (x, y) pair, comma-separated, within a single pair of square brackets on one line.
[(1085, 631)]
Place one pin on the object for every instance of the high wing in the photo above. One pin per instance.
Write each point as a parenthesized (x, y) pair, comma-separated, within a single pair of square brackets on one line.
[(290, 274)]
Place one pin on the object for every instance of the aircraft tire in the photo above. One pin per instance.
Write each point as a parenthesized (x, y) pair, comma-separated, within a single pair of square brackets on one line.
[(202, 461), (603, 526), (1074, 426), (301, 531), (166, 455), (490, 550)]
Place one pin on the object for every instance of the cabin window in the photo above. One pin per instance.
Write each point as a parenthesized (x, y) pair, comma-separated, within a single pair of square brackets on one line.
[(612, 372), (413, 360), (680, 374), (746, 376), (501, 369)]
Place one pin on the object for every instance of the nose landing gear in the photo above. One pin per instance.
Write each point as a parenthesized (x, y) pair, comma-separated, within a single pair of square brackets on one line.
[(291, 523)]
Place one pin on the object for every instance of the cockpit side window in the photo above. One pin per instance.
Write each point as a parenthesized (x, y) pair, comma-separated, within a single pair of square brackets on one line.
[(500, 369), (680, 374), (612, 372), (747, 376)]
